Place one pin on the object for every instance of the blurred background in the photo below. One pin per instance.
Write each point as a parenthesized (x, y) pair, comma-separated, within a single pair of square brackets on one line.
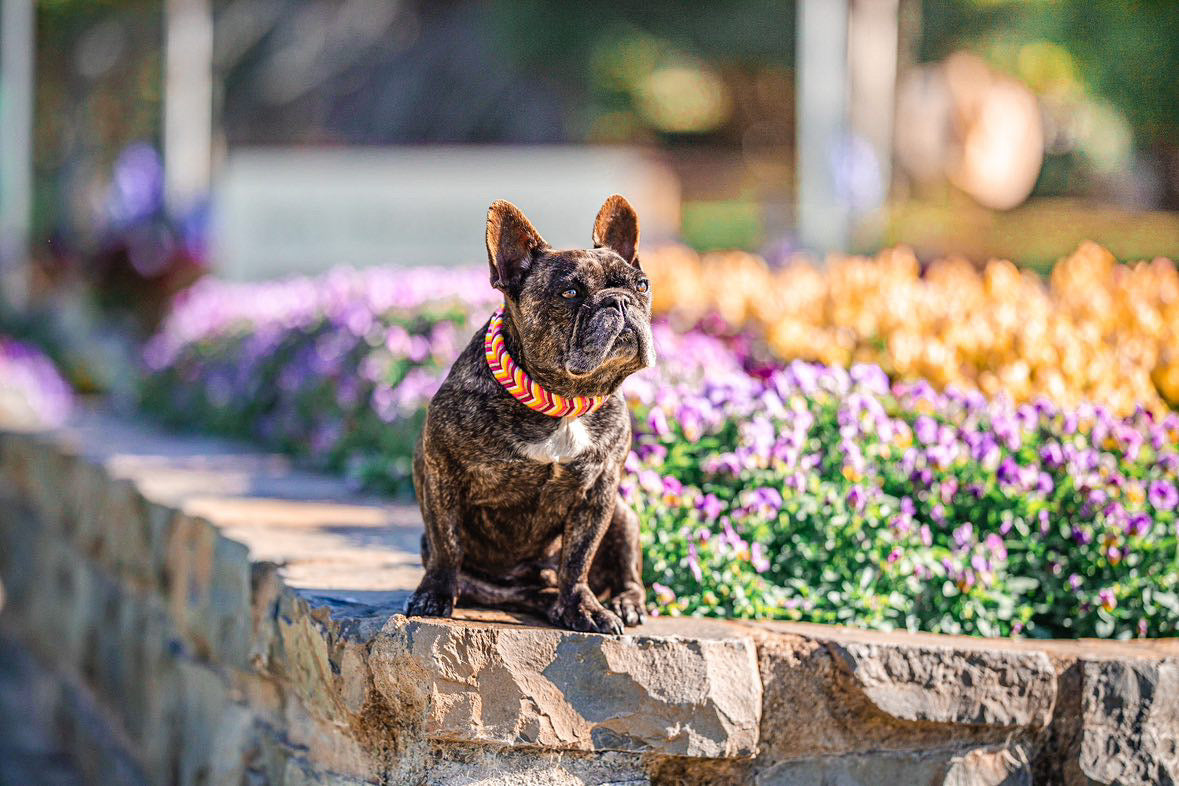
[(149, 144), (145, 142)]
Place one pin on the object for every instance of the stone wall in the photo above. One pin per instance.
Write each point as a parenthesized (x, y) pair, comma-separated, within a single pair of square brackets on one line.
[(205, 614)]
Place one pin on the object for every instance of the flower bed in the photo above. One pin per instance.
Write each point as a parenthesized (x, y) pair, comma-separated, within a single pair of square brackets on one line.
[(32, 392), (825, 495), (338, 370), (1095, 331), (806, 493)]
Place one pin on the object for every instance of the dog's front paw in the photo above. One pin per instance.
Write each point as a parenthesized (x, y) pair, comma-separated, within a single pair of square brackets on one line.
[(430, 602), (580, 610), (630, 605)]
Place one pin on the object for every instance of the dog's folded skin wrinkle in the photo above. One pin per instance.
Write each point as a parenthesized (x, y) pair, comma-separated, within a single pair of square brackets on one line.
[(521, 508)]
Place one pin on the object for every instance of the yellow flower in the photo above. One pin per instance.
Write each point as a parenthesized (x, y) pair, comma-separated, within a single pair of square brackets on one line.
[(1092, 330)]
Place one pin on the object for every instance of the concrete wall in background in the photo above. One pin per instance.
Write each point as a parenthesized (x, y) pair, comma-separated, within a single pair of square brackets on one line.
[(287, 210)]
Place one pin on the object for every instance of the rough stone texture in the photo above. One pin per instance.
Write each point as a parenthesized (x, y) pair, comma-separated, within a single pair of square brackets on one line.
[(1130, 728), (867, 692), (539, 686), (971, 767), (210, 615), (947, 685)]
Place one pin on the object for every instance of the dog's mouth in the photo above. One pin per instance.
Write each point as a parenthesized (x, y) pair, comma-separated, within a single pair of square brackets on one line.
[(613, 340), (626, 342), (633, 343)]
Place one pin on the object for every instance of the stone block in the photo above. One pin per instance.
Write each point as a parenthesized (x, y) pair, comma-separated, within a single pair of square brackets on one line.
[(159, 522), (215, 732), (866, 692), (226, 620), (956, 685), (1130, 721), (953, 767), (546, 687), (189, 570), (125, 543), (86, 481), (300, 655)]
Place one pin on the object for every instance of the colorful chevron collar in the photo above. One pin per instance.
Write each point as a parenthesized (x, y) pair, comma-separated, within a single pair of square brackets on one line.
[(516, 382)]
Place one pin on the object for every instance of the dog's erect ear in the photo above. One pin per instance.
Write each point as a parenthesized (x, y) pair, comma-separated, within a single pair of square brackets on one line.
[(617, 228), (511, 241)]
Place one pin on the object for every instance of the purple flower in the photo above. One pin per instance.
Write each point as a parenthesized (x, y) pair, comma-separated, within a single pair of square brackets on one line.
[(901, 524), (766, 500), (758, 559), (1107, 599), (1009, 471), (986, 452), (691, 421), (1138, 524), (1163, 495), (995, 544), (694, 563), (632, 463), (963, 535), (711, 506), (1052, 455), (652, 452), (926, 429), (657, 423), (31, 383), (651, 481), (856, 498)]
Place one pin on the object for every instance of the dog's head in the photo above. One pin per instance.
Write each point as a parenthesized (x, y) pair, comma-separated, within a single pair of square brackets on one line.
[(580, 320)]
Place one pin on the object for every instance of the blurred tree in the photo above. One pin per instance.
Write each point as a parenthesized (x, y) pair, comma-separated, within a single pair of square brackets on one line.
[(1122, 54), (528, 71)]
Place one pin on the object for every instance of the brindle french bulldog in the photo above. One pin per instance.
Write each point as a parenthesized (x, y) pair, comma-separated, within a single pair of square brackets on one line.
[(521, 508)]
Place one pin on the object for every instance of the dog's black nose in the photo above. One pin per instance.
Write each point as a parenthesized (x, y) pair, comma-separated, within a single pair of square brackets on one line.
[(615, 300)]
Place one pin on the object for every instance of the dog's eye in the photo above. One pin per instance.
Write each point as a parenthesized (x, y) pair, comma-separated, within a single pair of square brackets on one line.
[(569, 294), (644, 285)]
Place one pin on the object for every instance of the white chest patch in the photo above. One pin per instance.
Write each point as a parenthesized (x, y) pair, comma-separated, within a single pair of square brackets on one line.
[(566, 443)]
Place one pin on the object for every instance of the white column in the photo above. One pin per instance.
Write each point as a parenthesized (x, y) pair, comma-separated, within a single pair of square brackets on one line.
[(16, 145), (824, 219), (188, 101), (872, 54)]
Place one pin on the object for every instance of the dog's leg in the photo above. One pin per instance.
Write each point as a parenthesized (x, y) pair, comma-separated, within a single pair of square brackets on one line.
[(577, 607), (443, 554), (617, 572)]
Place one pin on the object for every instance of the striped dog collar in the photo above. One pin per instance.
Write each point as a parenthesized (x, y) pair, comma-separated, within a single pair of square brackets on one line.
[(521, 386)]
